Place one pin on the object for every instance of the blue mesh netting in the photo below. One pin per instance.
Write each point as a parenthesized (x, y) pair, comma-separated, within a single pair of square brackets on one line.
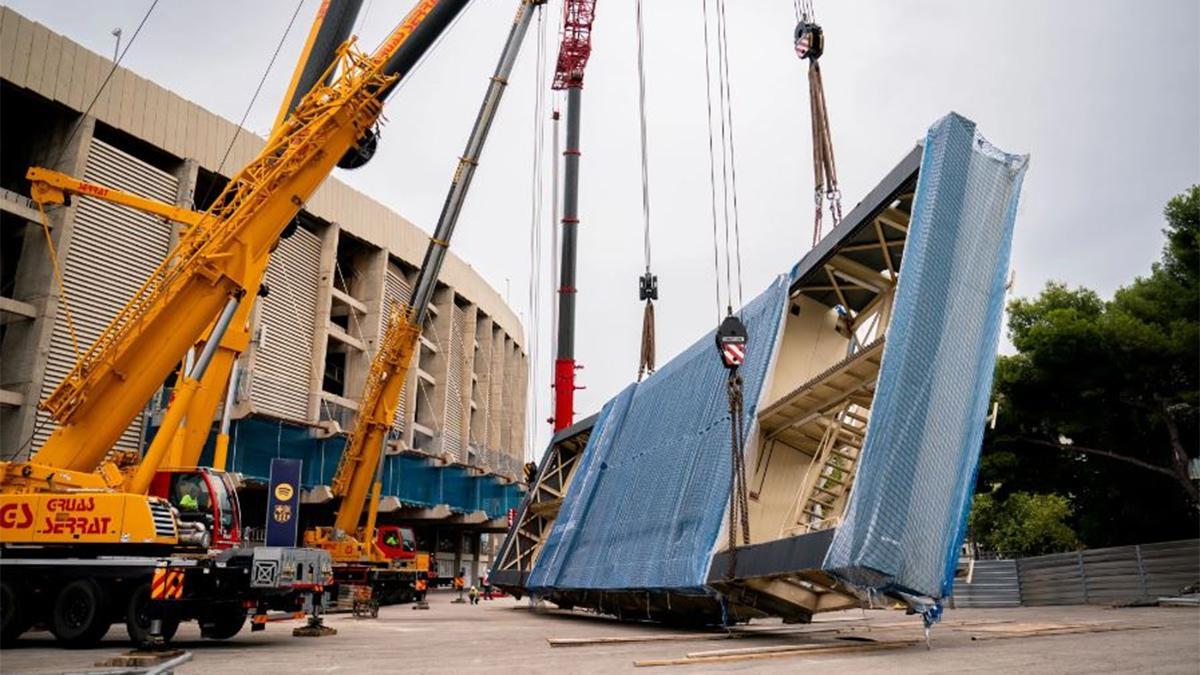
[(909, 505), (648, 498)]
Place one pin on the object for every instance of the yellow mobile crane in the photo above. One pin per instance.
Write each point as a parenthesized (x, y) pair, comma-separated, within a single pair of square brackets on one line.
[(356, 552), (69, 503)]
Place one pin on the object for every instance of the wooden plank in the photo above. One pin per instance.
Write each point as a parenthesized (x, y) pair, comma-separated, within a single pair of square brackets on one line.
[(631, 639), (784, 653), (1007, 632)]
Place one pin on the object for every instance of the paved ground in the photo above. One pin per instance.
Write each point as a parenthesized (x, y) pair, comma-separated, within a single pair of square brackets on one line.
[(504, 635)]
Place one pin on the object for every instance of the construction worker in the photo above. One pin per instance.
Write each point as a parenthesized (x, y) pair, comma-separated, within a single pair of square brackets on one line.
[(473, 594), (421, 587), (187, 499)]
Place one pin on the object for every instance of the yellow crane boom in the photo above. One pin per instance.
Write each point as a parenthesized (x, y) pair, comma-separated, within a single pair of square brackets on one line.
[(358, 468), (220, 258)]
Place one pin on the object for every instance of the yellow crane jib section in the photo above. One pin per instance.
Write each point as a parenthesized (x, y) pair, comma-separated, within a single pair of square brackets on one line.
[(359, 463), (50, 188), (213, 260)]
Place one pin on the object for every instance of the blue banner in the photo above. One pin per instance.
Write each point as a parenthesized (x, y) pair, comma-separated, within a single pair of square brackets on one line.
[(283, 504)]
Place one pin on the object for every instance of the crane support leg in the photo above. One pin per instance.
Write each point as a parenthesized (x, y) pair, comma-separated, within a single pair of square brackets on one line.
[(140, 483)]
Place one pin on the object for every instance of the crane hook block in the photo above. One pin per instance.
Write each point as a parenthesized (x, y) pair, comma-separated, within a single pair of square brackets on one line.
[(810, 40), (648, 287), (731, 342)]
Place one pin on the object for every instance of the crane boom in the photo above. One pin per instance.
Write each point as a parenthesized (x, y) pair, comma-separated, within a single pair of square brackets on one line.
[(576, 45), (357, 468), (573, 54), (331, 28), (48, 187), (219, 257)]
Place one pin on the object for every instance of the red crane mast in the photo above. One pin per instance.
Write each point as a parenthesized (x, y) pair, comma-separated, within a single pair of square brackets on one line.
[(573, 53)]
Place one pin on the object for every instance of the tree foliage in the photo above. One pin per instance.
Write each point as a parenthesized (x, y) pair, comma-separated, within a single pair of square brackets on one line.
[(1099, 404), (1022, 524)]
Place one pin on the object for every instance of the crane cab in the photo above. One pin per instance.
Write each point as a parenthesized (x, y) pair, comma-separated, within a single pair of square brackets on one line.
[(206, 500), (396, 543)]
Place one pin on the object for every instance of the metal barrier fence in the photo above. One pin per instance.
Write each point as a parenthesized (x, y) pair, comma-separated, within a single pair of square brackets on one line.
[(1096, 576)]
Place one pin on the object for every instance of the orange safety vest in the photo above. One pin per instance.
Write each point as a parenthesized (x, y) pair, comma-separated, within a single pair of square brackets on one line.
[(421, 584)]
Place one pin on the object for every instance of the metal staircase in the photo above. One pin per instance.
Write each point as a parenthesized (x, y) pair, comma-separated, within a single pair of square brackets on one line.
[(829, 478)]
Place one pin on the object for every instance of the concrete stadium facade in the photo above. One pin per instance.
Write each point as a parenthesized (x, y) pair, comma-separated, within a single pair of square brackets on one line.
[(457, 447)]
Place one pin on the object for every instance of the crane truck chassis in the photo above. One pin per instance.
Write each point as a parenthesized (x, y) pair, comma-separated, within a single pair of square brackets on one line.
[(157, 560), (78, 599)]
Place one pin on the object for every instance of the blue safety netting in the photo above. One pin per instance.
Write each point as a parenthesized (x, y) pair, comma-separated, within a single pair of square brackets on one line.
[(648, 498), (908, 509)]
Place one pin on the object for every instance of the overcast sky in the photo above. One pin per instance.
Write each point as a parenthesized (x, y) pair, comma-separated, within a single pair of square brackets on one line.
[(1104, 96)]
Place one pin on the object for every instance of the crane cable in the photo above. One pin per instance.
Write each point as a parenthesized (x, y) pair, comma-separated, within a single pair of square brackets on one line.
[(809, 41), (536, 224), (728, 220), (738, 528), (648, 285)]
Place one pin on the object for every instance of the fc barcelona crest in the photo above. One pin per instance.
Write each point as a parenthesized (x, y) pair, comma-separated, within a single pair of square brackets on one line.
[(282, 513)]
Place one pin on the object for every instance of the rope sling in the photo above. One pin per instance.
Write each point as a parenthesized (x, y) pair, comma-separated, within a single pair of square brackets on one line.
[(648, 283), (810, 44)]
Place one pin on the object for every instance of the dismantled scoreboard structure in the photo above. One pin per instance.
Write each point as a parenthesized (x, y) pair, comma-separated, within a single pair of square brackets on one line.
[(867, 384)]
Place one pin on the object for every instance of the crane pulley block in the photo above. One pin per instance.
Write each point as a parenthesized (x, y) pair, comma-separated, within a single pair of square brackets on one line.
[(810, 40), (648, 287), (731, 342)]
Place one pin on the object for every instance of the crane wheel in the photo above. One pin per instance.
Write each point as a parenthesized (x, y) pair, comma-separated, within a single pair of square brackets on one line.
[(137, 619), (15, 617), (80, 616), (223, 624)]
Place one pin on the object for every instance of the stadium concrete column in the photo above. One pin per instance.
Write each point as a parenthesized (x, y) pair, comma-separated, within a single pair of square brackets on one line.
[(482, 371), (467, 393), (438, 329), (512, 413), (496, 396), (367, 283), (185, 192), (520, 407), (329, 246), (65, 149)]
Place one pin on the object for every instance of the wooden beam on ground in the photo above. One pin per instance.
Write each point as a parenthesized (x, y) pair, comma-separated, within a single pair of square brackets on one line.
[(629, 639), (781, 652)]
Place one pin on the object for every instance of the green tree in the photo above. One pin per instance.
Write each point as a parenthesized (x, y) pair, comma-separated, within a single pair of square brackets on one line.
[(1022, 524), (1100, 401)]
